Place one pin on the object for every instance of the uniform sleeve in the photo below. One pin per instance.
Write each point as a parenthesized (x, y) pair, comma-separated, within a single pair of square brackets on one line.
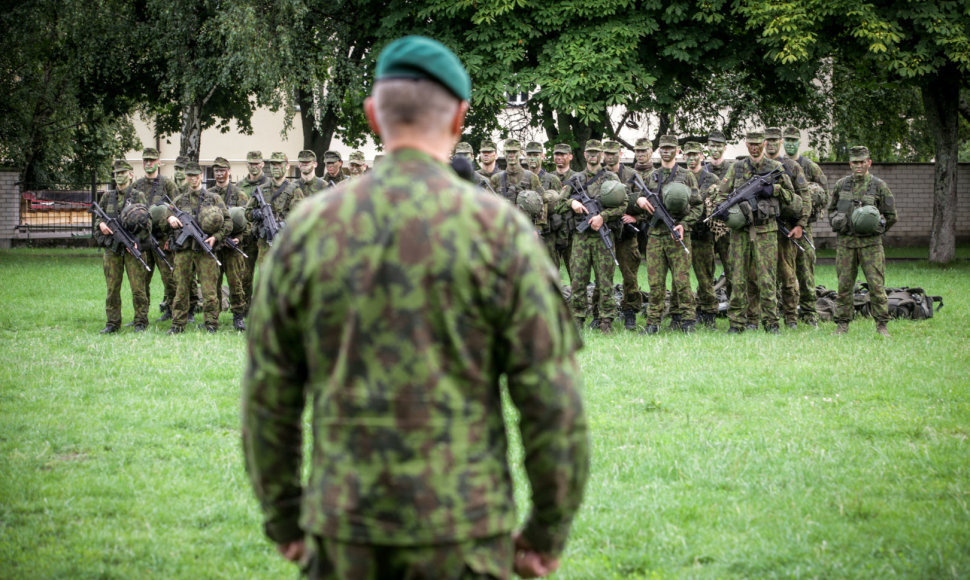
[(802, 191), (887, 205), (696, 202), (226, 229), (273, 395), (544, 384), (724, 189)]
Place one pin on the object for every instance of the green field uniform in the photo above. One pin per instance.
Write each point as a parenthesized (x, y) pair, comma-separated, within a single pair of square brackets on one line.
[(154, 190), (191, 261), (786, 277), (720, 170), (702, 248), (628, 254), (552, 229), (282, 198), (664, 254), (754, 248), (805, 261), (250, 246), (314, 185), (117, 262), (394, 305), (856, 251), (513, 180), (233, 263), (564, 241)]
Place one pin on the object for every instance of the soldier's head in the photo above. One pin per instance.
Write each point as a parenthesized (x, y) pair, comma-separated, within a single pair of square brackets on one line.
[(486, 152), (512, 151), (534, 155), (611, 153), (562, 156), (193, 175), (668, 149), (279, 164), (793, 139), (149, 160), (307, 160), (357, 163), (220, 168), (333, 163), (773, 141), (464, 150), (593, 151), (121, 172), (694, 155), (755, 142), (716, 144), (254, 164), (421, 93), (642, 151), (180, 162), (859, 160)]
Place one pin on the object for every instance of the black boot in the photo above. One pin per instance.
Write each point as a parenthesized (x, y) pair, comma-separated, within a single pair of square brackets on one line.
[(687, 327), (166, 313), (650, 329), (630, 319), (192, 309), (109, 329), (238, 322)]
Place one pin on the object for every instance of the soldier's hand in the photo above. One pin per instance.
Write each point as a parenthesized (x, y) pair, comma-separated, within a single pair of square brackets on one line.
[(529, 563), (628, 219), (680, 229), (174, 221), (210, 241), (578, 207), (105, 229), (596, 222), (292, 551), (235, 241), (645, 205), (796, 232)]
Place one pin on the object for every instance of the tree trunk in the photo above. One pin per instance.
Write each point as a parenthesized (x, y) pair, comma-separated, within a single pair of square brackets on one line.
[(316, 137), (941, 100), (191, 142)]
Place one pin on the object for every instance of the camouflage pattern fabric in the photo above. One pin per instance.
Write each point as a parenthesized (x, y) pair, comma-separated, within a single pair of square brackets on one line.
[(786, 277), (805, 275), (315, 185), (249, 245), (117, 262), (513, 180), (720, 170), (282, 198), (754, 294), (702, 247), (155, 189), (248, 186), (395, 304), (628, 253), (234, 267), (564, 241)]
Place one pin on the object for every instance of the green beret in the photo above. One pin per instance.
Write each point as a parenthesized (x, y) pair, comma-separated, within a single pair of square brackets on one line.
[(593, 145), (332, 156), (512, 145), (278, 157), (533, 147), (642, 144), (306, 155), (716, 137), (858, 153), (356, 157), (149, 153), (180, 161), (562, 148), (192, 168), (487, 146), (693, 147), (221, 162), (611, 146), (464, 147), (254, 156), (773, 133), (418, 57), (668, 141), (754, 137), (792, 133), (121, 165)]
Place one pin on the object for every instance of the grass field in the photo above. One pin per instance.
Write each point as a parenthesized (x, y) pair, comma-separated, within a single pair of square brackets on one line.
[(803, 455)]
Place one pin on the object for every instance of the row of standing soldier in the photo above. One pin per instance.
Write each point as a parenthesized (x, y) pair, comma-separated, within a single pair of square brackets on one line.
[(764, 239)]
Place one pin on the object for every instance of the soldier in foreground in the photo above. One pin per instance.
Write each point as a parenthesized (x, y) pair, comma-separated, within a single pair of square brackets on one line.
[(861, 210), (233, 262), (410, 475)]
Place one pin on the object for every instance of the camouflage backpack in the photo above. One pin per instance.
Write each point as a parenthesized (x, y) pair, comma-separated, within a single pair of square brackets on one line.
[(911, 303)]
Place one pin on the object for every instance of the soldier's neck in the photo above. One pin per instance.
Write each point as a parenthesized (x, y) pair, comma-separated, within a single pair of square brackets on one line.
[(279, 182), (593, 168), (668, 164), (489, 167), (614, 168), (152, 175)]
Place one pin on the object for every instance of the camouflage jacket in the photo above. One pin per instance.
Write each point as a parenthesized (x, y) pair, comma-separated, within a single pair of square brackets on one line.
[(248, 186), (112, 202), (508, 184), (800, 185), (281, 197), (610, 215), (314, 185), (330, 181), (394, 306), (721, 169), (766, 211), (549, 180), (851, 192), (156, 189), (813, 172), (655, 181), (192, 201), (231, 195)]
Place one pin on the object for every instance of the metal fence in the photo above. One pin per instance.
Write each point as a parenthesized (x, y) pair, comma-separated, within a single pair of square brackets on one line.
[(57, 212)]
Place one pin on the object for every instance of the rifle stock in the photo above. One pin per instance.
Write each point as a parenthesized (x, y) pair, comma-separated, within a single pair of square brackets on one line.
[(659, 210), (190, 230), (594, 208), (119, 233)]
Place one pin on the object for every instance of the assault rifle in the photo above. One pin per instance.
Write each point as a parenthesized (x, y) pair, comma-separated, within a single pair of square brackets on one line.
[(157, 250), (228, 241), (190, 229), (119, 233), (594, 207), (267, 225), (749, 191), (659, 211), (787, 233)]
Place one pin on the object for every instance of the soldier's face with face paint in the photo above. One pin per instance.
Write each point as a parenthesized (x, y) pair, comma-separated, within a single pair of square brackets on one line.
[(488, 157), (791, 147), (307, 169), (860, 167), (562, 160), (222, 175), (122, 178), (333, 168), (643, 156), (611, 158), (693, 160), (277, 169), (179, 176), (512, 157), (668, 154), (255, 169), (150, 165), (593, 157), (772, 147), (755, 150), (533, 160), (716, 149), (194, 180)]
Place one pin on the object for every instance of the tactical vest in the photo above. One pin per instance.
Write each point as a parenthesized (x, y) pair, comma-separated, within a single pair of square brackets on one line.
[(766, 210), (848, 203)]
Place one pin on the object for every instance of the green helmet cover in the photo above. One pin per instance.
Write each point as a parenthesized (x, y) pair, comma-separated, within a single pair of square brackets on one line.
[(676, 198), (530, 202), (238, 215), (211, 219), (136, 219), (866, 220), (613, 194), (736, 218), (159, 214)]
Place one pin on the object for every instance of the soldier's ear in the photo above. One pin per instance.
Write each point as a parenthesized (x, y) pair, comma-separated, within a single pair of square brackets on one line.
[(371, 115), (458, 122)]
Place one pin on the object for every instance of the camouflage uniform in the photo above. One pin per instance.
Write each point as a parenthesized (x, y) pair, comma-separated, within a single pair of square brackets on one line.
[(514, 179), (249, 245), (154, 191), (487, 147), (282, 198), (334, 180), (403, 341), (665, 254), (854, 251), (805, 261), (702, 248), (233, 263), (564, 241), (117, 261), (722, 244), (754, 248), (190, 259), (627, 251)]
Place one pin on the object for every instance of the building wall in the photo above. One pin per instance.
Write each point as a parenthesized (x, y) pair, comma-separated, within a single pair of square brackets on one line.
[(9, 206)]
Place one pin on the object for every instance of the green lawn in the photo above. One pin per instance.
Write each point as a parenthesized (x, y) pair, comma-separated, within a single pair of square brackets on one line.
[(803, 455)]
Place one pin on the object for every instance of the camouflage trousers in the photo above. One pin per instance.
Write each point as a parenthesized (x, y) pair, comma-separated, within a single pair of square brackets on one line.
[(805, 273), (480, 559), (872, 260), (663, 255), (590, 257), (564, 247), (252, 250), (168, 277), (753, 263), (188, 264), (549, 241), (115, 267), (722, 247), (702, 260), (786, 280), (234, 270), (628, 255)]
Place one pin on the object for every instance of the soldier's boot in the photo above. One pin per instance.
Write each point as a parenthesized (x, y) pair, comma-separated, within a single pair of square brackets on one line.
[(109, 329), (810, 321), (192, 309), (630, 319), (650, 329), (140, 328), (735, 329), (771, 328), (881, 329), (842, 328), (791, 324), (606, 325), (674, 321), (595, 323), (166, 312), (176, 330), (238, 322), (161, 307), (207, 328), (708, 319), (751, 326), (687, 327)]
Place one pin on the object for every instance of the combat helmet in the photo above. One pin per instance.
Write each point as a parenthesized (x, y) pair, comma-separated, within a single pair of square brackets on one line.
[(866, 220), (530, 202), (238, 215), (613, 194), (136, 219), (160, 214), (676, 197), (736, 219), (211, 219)]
